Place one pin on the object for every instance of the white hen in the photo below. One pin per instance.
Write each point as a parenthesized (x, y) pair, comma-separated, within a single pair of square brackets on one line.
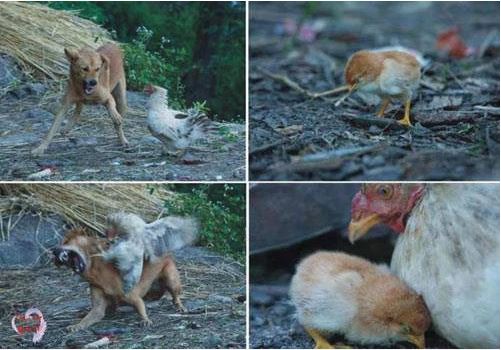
[(177, 130), (448, 251)]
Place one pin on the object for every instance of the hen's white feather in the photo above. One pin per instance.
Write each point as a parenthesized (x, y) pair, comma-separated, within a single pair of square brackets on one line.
[(176, 129), (449, 253)]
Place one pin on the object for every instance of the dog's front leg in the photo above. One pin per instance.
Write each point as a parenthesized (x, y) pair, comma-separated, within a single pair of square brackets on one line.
[(99, 304), (54, 128), (117, 120), (73, 120), (138, 303)]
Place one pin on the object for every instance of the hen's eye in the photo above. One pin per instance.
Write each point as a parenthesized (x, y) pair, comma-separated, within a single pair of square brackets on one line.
[(97, 69), (385, 191), (86, 69)]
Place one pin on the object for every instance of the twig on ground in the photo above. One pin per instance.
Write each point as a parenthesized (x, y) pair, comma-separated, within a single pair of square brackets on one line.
[(327, 160), (369, 121), (266, 147), (285, 80)]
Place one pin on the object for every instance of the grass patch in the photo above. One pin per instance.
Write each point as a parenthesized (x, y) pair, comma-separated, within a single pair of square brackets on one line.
[(221, 211)]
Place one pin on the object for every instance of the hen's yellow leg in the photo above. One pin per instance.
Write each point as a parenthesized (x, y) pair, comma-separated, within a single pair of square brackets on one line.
[(320, 341), (384, 104), (406, 120)]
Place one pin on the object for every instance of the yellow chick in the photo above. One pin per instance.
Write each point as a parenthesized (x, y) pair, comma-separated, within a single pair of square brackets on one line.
[(344, 294), (388, 74)]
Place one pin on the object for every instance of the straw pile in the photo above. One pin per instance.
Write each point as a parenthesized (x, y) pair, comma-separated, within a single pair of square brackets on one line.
[(83, 204), (35, 36)]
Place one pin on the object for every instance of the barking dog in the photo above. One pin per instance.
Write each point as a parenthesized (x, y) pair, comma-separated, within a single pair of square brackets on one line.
[(96, 77), (81, 252)]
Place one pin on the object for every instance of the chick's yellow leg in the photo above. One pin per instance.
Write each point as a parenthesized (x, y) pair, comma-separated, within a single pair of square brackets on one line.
[(384, 104), (320, 341), (406, 120)]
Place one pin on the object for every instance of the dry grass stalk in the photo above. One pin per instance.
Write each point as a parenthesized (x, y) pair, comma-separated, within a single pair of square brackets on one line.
[(35, 36), (83, 204)]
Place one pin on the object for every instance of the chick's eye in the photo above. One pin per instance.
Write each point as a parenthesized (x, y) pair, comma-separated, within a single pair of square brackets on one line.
[(97, 69), (86, 69), (385, 191)]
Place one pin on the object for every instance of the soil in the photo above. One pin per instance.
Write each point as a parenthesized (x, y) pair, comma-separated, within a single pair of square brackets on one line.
[(455, 112), (91, 151), (214, 294)]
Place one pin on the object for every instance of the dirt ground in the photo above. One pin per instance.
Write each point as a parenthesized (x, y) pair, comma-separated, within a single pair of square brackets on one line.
[(455, 113), (214, 294), (91, 150)]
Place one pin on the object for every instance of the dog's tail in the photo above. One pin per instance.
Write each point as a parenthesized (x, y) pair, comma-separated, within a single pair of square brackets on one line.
[(171, 233)]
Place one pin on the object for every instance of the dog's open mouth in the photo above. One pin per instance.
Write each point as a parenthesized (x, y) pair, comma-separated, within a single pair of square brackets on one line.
[(69, 258), (89, 86), (88, 90)]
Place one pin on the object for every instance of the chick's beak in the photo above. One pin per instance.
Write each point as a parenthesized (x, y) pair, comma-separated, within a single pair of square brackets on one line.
[(417, 340), (359, 227)]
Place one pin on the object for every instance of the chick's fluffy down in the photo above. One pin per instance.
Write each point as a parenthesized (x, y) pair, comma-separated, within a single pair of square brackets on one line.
[(339, 293)]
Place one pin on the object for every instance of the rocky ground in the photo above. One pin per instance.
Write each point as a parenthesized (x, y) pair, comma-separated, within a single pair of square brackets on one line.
[(91, 150), (456, 110), (214, 294)]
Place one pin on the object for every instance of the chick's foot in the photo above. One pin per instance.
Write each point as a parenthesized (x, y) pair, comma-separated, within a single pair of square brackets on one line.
[(406, 120), (320, 341)]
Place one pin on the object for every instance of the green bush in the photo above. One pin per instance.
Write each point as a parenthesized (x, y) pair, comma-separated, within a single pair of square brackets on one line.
[(221, 211), (149, 67)]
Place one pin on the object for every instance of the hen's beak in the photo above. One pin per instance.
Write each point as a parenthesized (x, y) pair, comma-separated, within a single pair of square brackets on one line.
[(352, 88), (359, 228), (417, 340)]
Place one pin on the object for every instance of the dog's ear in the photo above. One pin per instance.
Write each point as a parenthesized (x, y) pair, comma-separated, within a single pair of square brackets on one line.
[(72, 54), (106, 61)]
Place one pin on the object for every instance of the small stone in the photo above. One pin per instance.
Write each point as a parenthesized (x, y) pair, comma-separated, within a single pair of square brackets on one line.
[(190, 159), (281, 310), (258, 321), (258, 297), (372, 162), (373, 129)]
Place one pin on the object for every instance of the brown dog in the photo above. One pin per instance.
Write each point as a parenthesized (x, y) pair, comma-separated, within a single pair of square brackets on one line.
[(80, 251), (96, 77)]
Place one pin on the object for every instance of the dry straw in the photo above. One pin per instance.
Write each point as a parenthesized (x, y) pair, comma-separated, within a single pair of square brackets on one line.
[(35, 36), (83, 204)]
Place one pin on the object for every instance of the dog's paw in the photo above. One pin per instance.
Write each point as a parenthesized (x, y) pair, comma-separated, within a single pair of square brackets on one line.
[(146, 323), (180, 307)]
